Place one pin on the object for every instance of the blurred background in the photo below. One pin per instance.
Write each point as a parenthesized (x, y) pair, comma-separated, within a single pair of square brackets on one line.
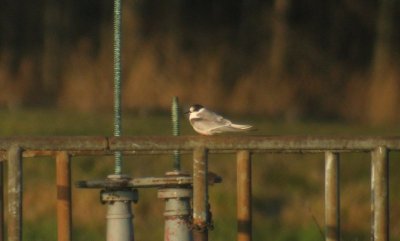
[(279, 58), (303, 67)]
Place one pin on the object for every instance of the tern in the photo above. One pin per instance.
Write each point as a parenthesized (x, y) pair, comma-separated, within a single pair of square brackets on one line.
[(208, 123)]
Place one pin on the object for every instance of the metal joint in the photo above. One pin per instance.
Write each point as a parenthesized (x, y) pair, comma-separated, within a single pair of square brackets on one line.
[(203, 226), (110, 196)]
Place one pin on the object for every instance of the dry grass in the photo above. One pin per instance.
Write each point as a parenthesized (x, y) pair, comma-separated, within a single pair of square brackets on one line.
[(156, 69)]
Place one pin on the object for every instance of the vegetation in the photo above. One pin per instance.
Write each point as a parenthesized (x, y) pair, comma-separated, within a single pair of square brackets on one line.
[(288, 188), (285, 59)]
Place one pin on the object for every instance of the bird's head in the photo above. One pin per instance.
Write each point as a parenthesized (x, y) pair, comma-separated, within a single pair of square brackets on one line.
[(194, 108)]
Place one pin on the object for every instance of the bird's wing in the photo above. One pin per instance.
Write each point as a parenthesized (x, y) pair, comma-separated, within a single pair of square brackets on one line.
[(212, 116), (209, 121)]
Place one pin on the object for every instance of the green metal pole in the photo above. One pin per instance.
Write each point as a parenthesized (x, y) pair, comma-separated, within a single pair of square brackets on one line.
[(176, 131), (117, 81)]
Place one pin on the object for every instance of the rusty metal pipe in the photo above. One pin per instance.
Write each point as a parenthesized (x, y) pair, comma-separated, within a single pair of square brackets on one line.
[(103, 144), (244, 196), (1, 199), (260, 143), (332, 197), (380, 194), (200, 195), (56, 143), (64, 203), (15, 193)]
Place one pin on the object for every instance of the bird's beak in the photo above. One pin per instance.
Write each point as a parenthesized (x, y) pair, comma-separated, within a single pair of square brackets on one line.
[(186, 112)]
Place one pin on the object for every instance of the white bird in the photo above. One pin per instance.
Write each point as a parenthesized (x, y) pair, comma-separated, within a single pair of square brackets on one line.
[(209, 123)]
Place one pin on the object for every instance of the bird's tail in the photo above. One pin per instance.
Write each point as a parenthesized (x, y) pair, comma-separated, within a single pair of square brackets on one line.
[(242, 127)]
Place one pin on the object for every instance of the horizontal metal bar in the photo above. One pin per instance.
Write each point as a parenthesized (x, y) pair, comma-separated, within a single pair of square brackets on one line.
[(144, 182), (30, 153), (154, 144), (276, 143), (56, 143)]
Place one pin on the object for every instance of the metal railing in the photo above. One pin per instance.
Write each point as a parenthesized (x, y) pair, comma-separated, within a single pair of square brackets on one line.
[(14, 149)]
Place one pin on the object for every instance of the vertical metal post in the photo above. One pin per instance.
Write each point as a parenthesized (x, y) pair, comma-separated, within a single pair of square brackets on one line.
[(15, 193), (332, 196), (1, 199), (177, 213), (380, 194), (200, 195), (119, 210), (119, 221), (244, 196), (64, 216), (119, 214)]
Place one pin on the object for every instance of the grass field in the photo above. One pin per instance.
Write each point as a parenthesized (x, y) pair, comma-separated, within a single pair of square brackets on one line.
[(288, 188)]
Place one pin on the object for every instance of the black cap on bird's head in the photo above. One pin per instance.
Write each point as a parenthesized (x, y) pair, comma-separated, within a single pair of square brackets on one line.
[(194, 108)]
